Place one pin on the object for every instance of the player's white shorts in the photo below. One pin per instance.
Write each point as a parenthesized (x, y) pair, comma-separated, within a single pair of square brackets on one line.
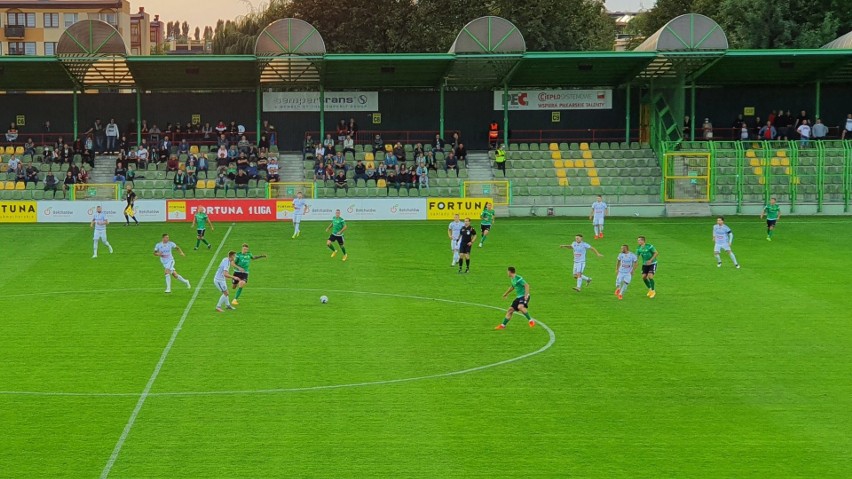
[(168, 264), (579, 267), (100, 235), (623, 278), (722, 246), (455, 243), (598, 220), (221, 285), (297, 218)]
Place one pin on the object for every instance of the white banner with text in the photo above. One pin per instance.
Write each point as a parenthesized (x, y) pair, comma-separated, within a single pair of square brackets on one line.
[(153, 211), (310, 101), (361, 209)]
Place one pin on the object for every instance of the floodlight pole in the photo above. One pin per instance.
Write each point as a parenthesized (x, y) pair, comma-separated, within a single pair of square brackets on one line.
[(138, 116), (441, 109), (74, 110), (322, 113), (627, 117), (506, 114), (818, 94), (258, 103)]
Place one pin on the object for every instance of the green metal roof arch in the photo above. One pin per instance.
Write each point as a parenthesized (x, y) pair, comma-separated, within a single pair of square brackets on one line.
[(93, 52), (290, 54), (688, 32), (489, 35)]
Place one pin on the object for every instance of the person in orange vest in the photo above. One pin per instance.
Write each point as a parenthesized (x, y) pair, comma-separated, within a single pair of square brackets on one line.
[(493, 134)]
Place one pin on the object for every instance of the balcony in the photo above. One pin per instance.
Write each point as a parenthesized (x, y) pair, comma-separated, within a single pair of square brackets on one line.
[(14, 31)]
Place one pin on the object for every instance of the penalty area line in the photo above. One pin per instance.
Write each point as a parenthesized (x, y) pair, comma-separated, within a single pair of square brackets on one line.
[(150, 384)]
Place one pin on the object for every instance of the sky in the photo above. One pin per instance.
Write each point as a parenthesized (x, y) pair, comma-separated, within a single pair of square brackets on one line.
[(213, 10)]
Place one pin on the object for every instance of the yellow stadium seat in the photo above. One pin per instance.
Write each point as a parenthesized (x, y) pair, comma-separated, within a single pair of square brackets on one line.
[(796, 180), (775, 162), (584, 146), (761, 180), (10, 150), (587, 155), (2, 185), (557, 163), (755, 146), (563, 181), (369, 157), (750, 154), (211, 184), (553, 147), (381, 183), (785, 161), (787, 170), (568, 163), (593, 172), (371, 165), (754, 162), (595, 181), (590, 164), (19, 150), (193, 149), (758, 171), (782, 153), (388, 148), (10, 185), (20, 185), (560, 173), (556, 155)]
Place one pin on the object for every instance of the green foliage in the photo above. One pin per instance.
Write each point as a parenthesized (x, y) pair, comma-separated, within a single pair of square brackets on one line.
[(394, 26)]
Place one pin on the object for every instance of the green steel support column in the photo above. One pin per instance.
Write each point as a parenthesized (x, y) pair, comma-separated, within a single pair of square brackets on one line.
[(692, 112), (138, 117), (259, 110), (441, 111), (818, 94), (322, 113), (74, 110), (627, 117), (506, 114)]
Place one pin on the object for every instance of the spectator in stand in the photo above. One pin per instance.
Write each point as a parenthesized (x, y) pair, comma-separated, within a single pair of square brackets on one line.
[(456, 139), (234, 132), (242, 161), (382, 172), (74, 169), (222, 181), (439, 143), (451, 164), (342, 130), (131, 175), (392, 180), (50, 183), (360, 173), (399, 153), (20, 174), (45, 127), (707, 130), (803, 117), (328, 143), (31, 174), (49, 154), (123, 145), (272, 175), (82, 176), (500, 159), (154, 135), (120, 174), (340, 162), (431, 163), (172, 164), (819, 131), (253, 173), (353, 128), (423, 175), (340, 182), (262, 161), (378, 143), (243, 146), (804, 131), (233, 153), (166, 148), (192, 168), (404, 178), (263, 144), (241, 181), (319, 152), (60, 143), (99, 136), (329, 171), (222, 141), (736, 127), (142, 156), (111, 133), (203, 165), (391, 162), (29, 147), (847, 128), (772, 115), (68, 182), (221, 127), (461, 152), (418, 150), (222, 156), (782, 124), (180, 181), (744, 134), (183, 147), (768, 132), (12, 133), (309, 144), (273, 136), (89, 151), (319, 171), (348, 145), (371, 171), (207, 132)]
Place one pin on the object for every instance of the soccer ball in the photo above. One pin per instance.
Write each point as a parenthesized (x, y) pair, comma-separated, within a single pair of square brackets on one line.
[(323, 299)]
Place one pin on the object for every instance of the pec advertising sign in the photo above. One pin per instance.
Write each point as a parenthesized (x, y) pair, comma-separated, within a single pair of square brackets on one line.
[(529, 100)]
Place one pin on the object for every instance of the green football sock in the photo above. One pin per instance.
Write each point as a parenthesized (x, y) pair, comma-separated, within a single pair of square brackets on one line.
[(484, 237), (771, 232), (197, 242), (505, 321), (527, 315), (343, 248), (239, 292), (205, 241), (651, 283), (331, 247), (647, 283)]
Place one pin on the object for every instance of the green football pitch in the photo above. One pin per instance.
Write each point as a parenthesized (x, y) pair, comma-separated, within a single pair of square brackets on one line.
[(726, 373)]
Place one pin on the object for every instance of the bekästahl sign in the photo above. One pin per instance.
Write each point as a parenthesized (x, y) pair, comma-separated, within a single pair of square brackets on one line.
[(310, 101), (529, 100)]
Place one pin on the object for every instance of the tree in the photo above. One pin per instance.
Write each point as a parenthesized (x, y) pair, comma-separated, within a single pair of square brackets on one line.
[(184, 28), (197, 33)]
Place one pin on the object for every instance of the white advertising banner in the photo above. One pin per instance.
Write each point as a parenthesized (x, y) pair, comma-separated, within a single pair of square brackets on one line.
[(528, 100), (310, 101), (361, 209), (81, 211)]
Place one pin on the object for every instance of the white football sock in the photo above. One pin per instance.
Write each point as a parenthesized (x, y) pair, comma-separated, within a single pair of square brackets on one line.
[(168, 281)]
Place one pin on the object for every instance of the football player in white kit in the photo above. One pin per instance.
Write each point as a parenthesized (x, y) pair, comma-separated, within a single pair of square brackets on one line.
[(221, 281), (580, 247), (599, 211), (99, 223), (723, 237), (454, 232), (299, 206), (163, 250), (624, 268)]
